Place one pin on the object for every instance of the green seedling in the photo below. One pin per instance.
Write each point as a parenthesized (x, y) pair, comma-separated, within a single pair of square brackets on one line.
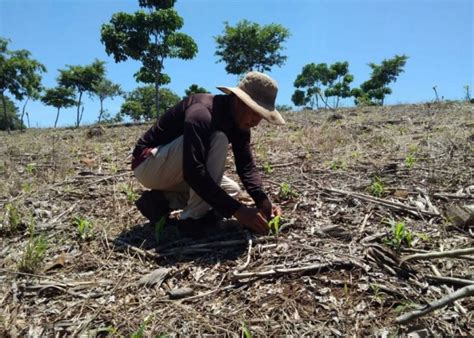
[(141, 330), (159, 228), (267, 168), (410, 161), (274, 225), (34, 254), (11, 219), (84, 227), (246, 332), (131, 194), (30, 168), (377, 188), (286, 192), (337, 164), (400, 236)]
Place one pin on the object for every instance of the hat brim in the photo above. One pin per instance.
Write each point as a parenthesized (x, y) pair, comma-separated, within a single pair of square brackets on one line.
[(269, 114)]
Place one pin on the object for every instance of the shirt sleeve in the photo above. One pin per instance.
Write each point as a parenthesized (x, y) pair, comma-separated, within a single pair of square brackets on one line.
[(246, 169), (196, 144)]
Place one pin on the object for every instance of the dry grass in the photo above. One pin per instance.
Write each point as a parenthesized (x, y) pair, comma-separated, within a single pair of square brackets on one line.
[(88, 284)]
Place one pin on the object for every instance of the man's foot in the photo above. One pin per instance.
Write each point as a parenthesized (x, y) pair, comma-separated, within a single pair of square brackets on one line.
[(153, 205), (200, 228)]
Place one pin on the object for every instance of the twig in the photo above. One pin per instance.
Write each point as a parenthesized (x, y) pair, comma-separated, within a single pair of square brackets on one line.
[(457, 305), (278, 271), (247, 262), (450, 280), (464, 292), (428, 255)]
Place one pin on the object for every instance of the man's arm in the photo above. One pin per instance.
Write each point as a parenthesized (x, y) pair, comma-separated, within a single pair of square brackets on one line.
[(196, 143), (246, 169)]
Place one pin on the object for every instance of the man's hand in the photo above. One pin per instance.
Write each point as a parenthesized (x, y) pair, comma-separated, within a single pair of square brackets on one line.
[(253, 219), (269, 210)]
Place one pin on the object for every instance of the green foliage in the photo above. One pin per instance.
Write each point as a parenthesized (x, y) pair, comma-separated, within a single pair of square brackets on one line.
[(337, 164), (34, 254), (249, 46), (159, 228), (319, 82), (195, 89), (20, 75), (82, 79), (11, 219), (410, 161), (377, 188), (139, 104), (104, 89), (246, 332), (283, 107), (12, 121), (127, 189), (140, 333), (374, 90), (267, 168), (400, 235), (274, 225), (59, 97), (148, 37), (84, 228), (286, 192)]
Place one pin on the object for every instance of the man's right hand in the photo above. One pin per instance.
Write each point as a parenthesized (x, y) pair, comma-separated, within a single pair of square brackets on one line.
[(253, 219)]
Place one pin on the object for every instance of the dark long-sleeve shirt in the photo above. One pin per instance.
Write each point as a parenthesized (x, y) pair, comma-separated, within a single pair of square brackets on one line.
[(196, 118)]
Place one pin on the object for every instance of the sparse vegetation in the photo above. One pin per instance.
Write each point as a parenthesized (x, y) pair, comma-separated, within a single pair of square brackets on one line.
[(400, 235), (377, 188), (84, 228), (33, 254), (286, 192)]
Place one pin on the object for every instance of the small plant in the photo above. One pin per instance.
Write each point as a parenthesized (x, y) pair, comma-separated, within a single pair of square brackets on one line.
[(34, 254), (30, 168), (410, 161), (84, 227), (246, 332), (141, 330), (400, 235), (267, 168), (128, 190), (377, 188), (11, 219), (274, 225), (159, 228), (286, 192), (337, 164), (27, 187)]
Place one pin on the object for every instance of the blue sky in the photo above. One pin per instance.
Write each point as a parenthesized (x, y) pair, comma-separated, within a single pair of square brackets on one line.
[(436, 35)]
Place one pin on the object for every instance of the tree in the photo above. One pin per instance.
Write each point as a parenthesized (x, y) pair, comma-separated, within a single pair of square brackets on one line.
[(373, 91), (82, 79), (104, 89), (319, 82), (19, 75), (249, 46), (149, 37), (59, 97), (195, 89), (139, 104), (12, 121)]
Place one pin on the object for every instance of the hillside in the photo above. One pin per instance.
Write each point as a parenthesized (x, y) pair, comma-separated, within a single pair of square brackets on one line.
[(344, 179)]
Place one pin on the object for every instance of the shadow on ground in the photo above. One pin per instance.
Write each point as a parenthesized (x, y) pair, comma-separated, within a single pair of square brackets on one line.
[(220, 243)]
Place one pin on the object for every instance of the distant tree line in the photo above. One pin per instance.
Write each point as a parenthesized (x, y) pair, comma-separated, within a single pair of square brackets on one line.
[(151, 36)]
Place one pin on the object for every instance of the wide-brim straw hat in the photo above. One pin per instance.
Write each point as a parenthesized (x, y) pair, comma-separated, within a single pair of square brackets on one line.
[(258, 91)]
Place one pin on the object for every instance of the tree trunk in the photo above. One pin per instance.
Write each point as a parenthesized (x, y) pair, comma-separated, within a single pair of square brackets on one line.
[(5, 113), (28, 119), (23, 112), (57, 117), (101, 109), (78, 117)]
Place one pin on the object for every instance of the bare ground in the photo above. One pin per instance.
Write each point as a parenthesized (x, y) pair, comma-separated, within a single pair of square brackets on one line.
[(334, 269)]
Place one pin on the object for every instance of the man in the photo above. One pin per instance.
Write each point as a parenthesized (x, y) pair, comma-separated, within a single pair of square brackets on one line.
[(181, 158)]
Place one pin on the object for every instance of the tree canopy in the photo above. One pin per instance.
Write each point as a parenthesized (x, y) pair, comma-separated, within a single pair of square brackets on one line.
[(20, 75), (59, 97), (321, 82), (12, 122), (249, 46), (149, 37), (195, 89), (82, 79), (374, 90), (139, 104), (103, 90)]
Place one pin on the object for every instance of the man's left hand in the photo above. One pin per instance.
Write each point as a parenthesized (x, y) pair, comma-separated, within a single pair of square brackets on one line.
[(269, 210)]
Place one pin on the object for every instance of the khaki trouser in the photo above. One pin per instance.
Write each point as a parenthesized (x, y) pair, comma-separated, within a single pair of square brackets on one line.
[(163, 170)]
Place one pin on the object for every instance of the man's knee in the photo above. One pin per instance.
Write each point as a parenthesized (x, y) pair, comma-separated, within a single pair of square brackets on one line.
[(219, 138)]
